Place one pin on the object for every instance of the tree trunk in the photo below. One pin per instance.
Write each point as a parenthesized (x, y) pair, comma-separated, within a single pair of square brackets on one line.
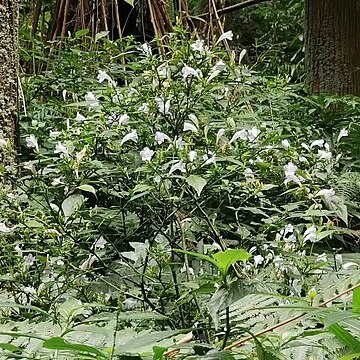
[(9, 20), (332, 45)]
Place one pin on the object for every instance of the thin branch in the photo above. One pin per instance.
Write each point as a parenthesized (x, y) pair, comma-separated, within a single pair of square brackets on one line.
[(297, 317), (235, 7)]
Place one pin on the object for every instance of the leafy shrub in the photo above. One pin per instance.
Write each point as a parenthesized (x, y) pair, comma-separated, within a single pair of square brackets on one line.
[(138, 168)]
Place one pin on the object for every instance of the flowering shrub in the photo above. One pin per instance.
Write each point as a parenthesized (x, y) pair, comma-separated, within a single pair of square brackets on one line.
[(195, 152)]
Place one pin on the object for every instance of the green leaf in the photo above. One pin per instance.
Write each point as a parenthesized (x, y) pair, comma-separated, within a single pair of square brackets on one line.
[(81, 33), (356, 301), (9, 347), (197, 255), (224, 259), (130, 2), (196, 182), (345, 337), (58, 343), (72, 204), (87, 188), (351, 356), (159, 352), (101, 35)]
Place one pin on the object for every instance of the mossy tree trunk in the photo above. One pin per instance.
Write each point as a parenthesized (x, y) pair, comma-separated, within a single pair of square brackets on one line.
[(9, 20), (332, 45)]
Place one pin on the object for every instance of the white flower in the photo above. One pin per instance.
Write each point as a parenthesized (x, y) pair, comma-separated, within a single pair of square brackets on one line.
[(320, 143), (328, 194), (86, 265), (303, 159), (198, 45), (5, 229), (80, 118), (61, 149), (242, 135), (288, 233), (290, 175), (278, 261), (310, 234), (220, 134), (29, 290), (3, 142), (338, 261), (258, 260), (209, 158), (99, 243), (133, 136), (29, 259), (160, 137), (249, 175), (213, 75), (190, 127), (54, 134), (163, 71), (81, 154), (343, 133), (228, 35), (219, 66), (31, 142), (18, 250), (144, 108), (178, 166), (124, 119), (285, 143), (146, 49), (321, 258), (91, 100), (103, 76), (163, 106), (146, 154), (179, 143), (189, 71), (253, 133), (324, 155), (192, 155), (194, 119)]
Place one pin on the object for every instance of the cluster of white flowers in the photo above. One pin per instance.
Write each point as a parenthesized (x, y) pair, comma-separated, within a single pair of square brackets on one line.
[(290, 174)]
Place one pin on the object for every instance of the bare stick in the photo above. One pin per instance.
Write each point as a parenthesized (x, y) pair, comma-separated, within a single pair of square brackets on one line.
[(235, 7)]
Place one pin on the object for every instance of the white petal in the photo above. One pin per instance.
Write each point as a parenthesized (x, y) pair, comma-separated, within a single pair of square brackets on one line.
[(133, 136), (226, 36)]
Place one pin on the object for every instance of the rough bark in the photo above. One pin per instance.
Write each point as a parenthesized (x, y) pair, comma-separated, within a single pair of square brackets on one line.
[(9, 19), (332, 45)]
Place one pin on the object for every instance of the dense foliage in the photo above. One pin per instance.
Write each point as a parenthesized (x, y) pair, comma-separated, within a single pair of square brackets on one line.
[(169, 204)]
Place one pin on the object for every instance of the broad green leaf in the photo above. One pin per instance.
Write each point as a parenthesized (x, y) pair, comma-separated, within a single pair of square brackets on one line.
[(224, 259), (351, 356), (87, 188), (9, 347), (159, 352), (58, 343), (130, 2), (356, 301), (100, 35), (197, 255), (72, 204), (345, 337), (81, 33), (196, 182)]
